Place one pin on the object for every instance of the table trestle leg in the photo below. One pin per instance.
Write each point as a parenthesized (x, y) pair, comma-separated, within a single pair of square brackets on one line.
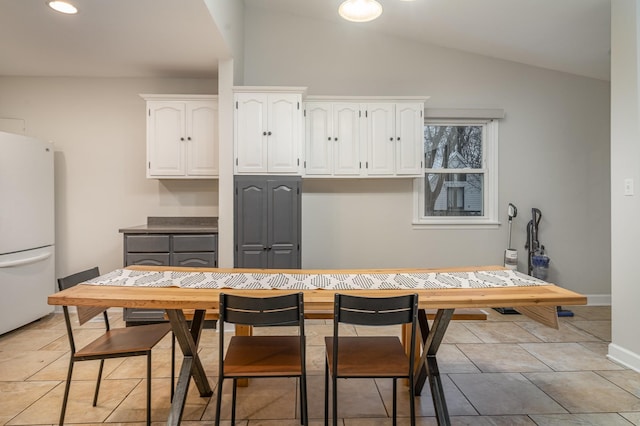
[(432, 338), (188, 339)]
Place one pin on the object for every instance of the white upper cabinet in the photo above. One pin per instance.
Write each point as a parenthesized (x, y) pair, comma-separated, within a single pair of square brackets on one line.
[(409, 138), (374, 137), (381, 139), (182, 136), (395, 139), (347, 139), (318, 118), (267, 131), (332, 138)]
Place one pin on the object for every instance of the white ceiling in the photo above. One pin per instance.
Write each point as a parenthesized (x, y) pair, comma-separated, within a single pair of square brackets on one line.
[(178, 38), (109, 38)]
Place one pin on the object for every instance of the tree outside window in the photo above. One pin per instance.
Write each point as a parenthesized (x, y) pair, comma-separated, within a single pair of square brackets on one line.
[(454, 178)]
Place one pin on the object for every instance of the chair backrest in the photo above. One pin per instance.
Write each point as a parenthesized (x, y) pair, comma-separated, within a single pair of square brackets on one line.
[(262, 311), (85, 313), (375, 310)]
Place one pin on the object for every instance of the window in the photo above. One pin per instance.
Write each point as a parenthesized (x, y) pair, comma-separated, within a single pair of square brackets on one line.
[(460, 181), (455, 198)]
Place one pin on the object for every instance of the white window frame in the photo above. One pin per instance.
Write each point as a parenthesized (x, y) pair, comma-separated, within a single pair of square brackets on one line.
[(490, 184)]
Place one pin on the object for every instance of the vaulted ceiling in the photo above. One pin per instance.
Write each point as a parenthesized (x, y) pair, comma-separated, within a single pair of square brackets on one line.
[(178, 38)]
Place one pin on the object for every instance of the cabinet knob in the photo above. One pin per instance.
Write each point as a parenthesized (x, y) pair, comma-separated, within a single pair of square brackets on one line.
[(189, 138), (398, 137), (181, 139), (264, 133), (391, 139), (329, 138), (335, 139), (269, 133)]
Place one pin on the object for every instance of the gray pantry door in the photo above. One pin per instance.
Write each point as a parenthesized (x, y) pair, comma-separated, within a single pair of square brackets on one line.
[(267, 222)]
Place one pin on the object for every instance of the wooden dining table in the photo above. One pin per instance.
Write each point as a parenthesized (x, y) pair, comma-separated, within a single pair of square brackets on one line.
[(539, 302)]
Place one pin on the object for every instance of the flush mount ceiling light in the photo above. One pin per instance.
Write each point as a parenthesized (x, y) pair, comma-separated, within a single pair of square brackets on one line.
[(63, 7), (360, 10)]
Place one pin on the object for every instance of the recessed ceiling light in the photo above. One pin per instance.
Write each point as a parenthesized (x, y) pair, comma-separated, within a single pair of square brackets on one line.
[(360, 10), (63, 7)]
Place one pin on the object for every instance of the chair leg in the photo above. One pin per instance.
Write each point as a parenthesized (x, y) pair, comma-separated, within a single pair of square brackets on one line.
[(395, 401), (334, 398), (233, 402), (95, 395), (173, 364), (219, 401), (149, 388), (303, 400), (326, 393), (66, 391), (412, 402)]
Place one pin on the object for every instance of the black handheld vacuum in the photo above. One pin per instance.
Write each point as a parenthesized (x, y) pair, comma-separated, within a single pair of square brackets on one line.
[(538, 261), (510, 256)]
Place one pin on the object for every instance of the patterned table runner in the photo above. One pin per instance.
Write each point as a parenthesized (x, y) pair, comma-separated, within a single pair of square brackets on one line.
[(329, 281)]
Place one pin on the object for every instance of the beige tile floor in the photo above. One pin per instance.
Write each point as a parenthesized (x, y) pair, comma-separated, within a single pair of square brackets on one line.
[(507, 370)]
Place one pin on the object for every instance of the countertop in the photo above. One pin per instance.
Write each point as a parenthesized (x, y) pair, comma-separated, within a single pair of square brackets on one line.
[(174, 225)]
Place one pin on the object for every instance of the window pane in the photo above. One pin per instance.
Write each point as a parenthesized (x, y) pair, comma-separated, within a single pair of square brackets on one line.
[(453, 147), (454, 194)]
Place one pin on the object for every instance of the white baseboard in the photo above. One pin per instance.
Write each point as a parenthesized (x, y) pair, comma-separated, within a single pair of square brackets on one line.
[(624, 357), (598, 299)]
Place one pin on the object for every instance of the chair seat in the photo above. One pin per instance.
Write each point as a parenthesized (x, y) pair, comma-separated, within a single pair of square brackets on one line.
[(263, 356), (126, 340), (370, 357)]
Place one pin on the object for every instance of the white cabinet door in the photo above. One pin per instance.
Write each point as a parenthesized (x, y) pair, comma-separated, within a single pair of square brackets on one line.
[(182, 139), (409, 138), (381, 139), (250, 132), (267, 132), (333, 139), (202, 138), (319, 138), (346, 139), (283, 132), (165, 139)]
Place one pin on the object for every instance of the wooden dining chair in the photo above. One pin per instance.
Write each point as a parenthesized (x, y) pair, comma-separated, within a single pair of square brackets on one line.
[(370, 356), (116, 343), (262, 356)]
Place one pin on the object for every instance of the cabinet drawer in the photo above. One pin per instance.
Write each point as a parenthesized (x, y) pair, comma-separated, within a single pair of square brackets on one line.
[(195, 243), (202, 260), (147, 243), (155, 259)]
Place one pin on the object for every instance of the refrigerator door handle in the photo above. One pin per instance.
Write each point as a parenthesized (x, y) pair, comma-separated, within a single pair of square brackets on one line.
[(26, 261)]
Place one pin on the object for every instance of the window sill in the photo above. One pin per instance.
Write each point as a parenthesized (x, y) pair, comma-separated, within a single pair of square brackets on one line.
[(455, 224)]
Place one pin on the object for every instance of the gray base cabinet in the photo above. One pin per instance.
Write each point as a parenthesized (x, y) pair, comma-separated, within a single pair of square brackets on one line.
[(267, 222), (193, 250)]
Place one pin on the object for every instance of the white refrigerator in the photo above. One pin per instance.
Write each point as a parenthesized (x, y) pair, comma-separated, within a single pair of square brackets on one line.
[(27, 251)]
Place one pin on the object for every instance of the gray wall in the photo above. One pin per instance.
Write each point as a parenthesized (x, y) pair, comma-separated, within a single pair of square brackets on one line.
[(625, 155), (554, 150), (98, 127)]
